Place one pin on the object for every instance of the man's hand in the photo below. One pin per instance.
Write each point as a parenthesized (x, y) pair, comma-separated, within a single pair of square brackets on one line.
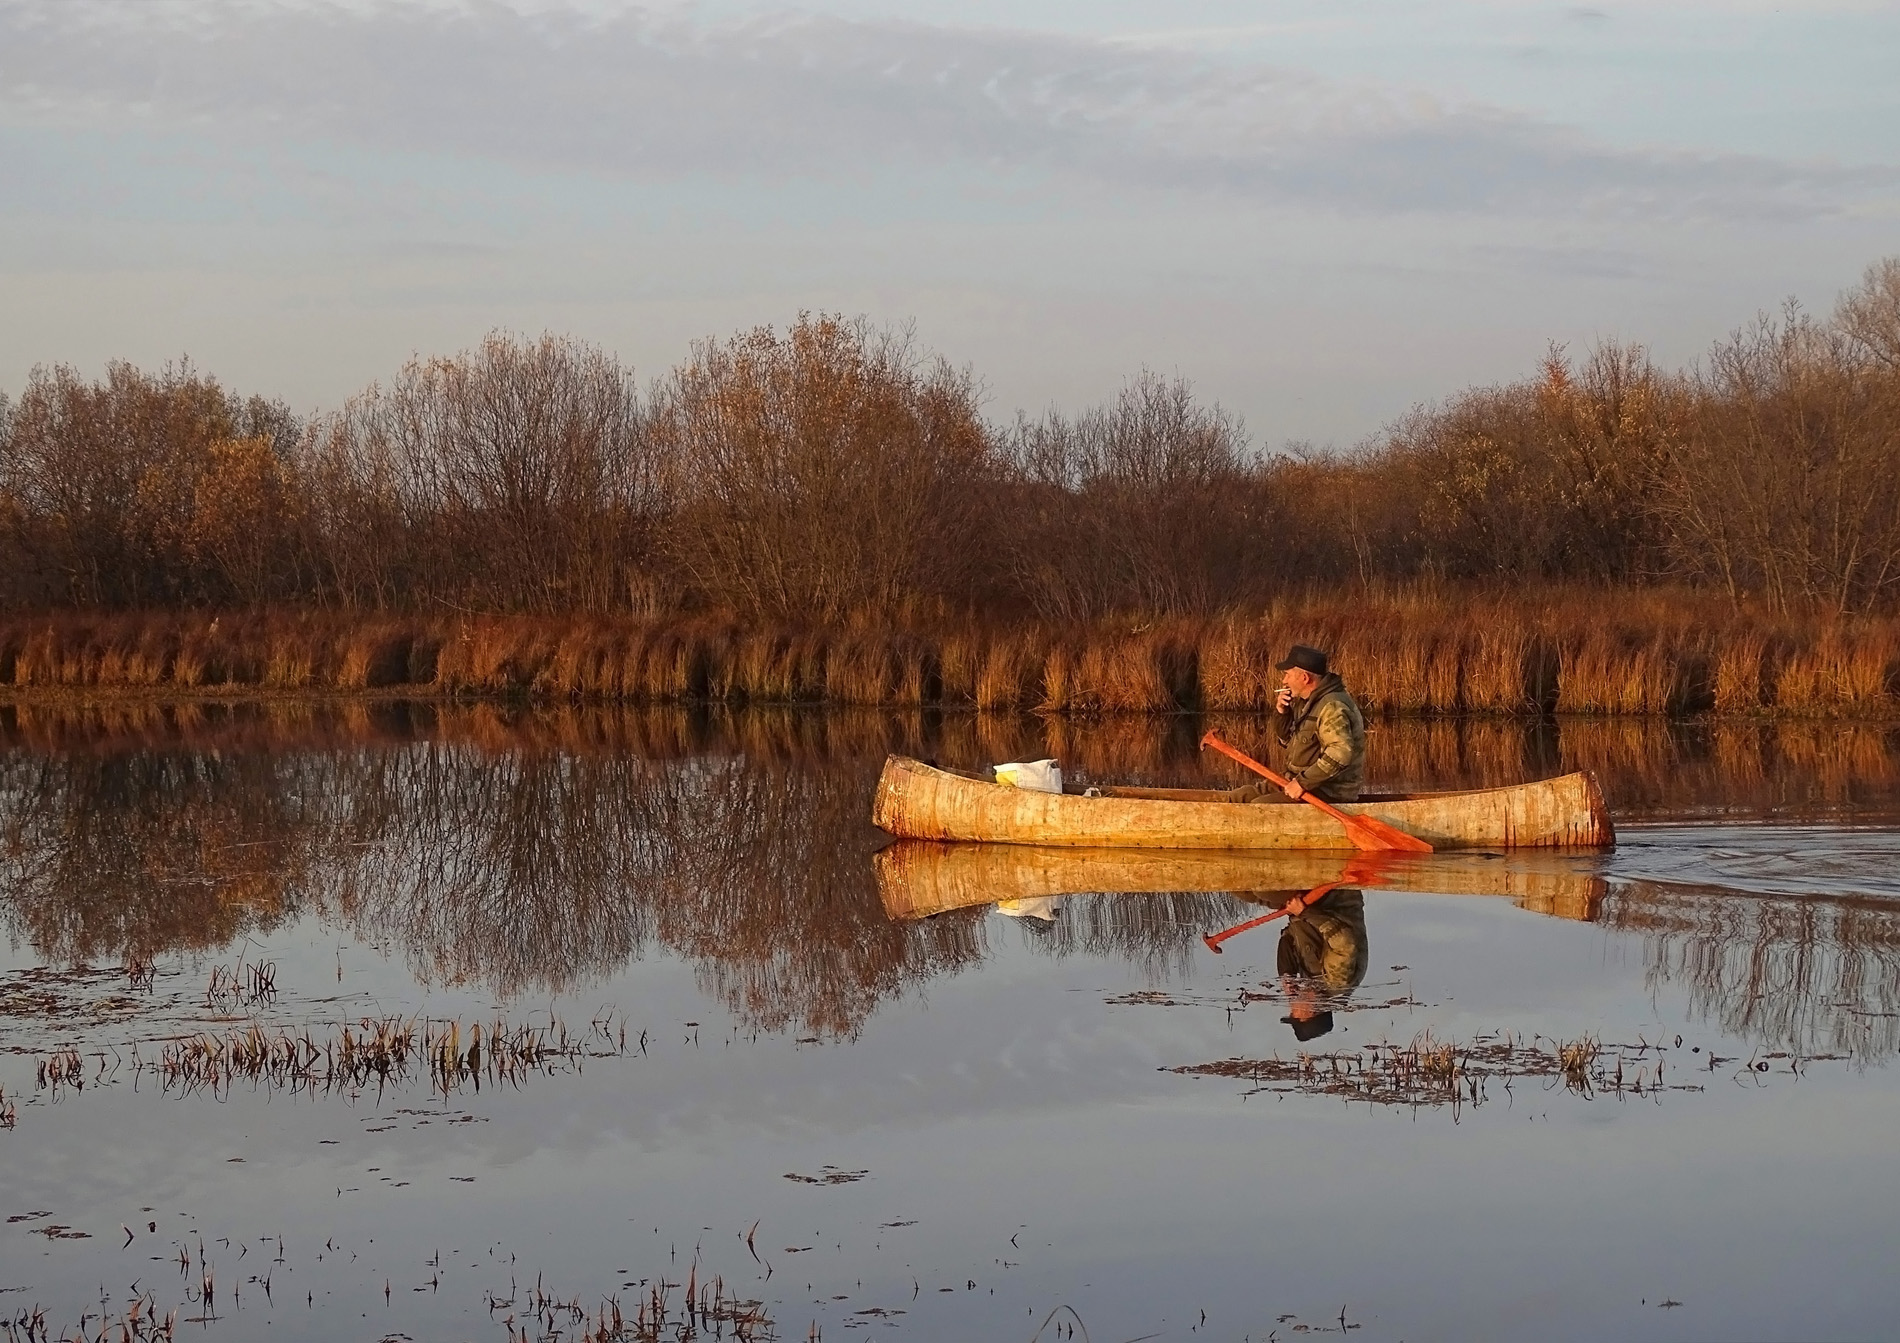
[(1282, 698), (1296, 907), (1294, 790)]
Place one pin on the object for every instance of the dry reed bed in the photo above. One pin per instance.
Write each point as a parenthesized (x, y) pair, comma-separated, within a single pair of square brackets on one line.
[(1587, 654)]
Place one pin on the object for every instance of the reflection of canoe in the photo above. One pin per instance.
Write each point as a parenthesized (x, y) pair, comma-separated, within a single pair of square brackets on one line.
[(917, 878), (915, 801)]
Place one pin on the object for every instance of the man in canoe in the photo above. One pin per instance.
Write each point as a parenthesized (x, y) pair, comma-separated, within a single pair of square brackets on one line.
[(1323, 732)]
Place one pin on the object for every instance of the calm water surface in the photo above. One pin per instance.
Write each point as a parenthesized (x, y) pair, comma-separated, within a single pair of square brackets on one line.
[(937, 1095)]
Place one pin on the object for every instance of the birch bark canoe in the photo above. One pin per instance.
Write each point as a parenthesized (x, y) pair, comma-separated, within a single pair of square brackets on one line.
[(918, 878), (918, 801)]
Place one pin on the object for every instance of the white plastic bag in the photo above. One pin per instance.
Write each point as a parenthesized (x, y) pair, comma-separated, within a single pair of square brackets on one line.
[(1041, 776)]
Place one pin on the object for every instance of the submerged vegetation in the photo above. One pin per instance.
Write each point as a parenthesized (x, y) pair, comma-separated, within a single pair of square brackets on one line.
[(1427, 1072), (703, 1309), (379, 1054), (825, 515)]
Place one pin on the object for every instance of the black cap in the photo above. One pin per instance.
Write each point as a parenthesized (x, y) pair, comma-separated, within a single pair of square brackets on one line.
[(1305, 658), (1305, 1028)]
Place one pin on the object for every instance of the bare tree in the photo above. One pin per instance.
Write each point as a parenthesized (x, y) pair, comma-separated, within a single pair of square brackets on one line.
[(1870, 315), (1151, 505), (110, 472), (1784, 486), (827, 471), (513, 476)]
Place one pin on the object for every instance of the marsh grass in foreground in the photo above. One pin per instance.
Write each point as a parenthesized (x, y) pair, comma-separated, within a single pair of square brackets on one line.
[(667, 1312), (704, 1310), (376, 1054), (137, 1323), (1428, 1072), (382, 1053)]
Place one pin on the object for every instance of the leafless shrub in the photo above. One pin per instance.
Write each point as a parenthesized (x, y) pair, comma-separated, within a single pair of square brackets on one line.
[(827, 471), (1783, 487), (514, 476), (1870, 315), (147, 489), (1150, 505)]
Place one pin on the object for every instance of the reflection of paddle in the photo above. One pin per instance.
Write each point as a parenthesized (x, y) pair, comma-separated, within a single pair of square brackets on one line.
[(1365, 832), (1359, 872), (1214, 940)]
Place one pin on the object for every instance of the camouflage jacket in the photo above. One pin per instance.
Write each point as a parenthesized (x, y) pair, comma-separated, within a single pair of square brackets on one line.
[(1325, 740)]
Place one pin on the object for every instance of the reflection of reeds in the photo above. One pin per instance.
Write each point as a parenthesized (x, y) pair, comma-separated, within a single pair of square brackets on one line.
[(63, 1069), (241, 985)]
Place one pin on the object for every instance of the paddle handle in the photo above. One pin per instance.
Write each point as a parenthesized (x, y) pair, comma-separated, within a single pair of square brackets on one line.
[(1365, 832), (1214, 940), (1213, 739)]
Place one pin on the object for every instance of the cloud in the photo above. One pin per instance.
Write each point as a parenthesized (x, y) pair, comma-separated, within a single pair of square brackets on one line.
[(660, 91)]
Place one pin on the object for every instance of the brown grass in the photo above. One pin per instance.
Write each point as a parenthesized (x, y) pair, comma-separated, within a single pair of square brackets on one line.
[(1011, 674), (1402, 655), (1846, 668)]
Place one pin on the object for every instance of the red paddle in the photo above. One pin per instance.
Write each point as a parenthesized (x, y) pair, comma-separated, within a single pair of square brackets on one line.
[(1365, 832)]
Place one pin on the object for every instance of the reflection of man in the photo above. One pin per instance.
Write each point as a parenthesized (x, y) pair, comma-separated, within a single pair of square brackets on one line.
[(1323, 732), (1322, 955)]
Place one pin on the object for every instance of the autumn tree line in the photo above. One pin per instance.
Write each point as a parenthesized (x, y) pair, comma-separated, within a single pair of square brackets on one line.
[(835, 475)]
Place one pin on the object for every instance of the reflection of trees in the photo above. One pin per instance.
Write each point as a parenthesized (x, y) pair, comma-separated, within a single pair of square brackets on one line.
[(1810, 974), (519, 870), (773, 894), (531, 868), (536, 870), (1159, 931), (138, 853), (536, 849)]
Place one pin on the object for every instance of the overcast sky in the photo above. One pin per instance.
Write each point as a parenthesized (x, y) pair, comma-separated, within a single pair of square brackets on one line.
[(1321, 211)]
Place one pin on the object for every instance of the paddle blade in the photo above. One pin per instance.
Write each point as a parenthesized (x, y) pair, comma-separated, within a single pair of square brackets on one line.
[(1369, 832)]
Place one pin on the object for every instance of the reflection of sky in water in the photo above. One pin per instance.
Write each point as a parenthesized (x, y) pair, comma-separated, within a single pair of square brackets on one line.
[(992, 1091)]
